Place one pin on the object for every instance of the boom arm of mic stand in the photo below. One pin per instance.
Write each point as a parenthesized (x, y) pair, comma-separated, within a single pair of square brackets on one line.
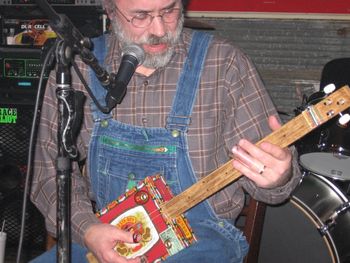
[(79, 44)]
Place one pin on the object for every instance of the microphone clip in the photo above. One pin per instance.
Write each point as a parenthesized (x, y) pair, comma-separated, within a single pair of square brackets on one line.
[(132, 57), (115, 93)]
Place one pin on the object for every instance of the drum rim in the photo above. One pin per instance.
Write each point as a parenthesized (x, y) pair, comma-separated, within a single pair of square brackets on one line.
[(315, 220), (313, 217), (325, 180)]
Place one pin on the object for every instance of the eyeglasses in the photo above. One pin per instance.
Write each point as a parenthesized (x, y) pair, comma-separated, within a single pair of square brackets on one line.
[(142, 20)]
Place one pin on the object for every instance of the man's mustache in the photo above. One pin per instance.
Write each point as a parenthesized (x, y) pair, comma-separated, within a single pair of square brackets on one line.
[(154, 40)]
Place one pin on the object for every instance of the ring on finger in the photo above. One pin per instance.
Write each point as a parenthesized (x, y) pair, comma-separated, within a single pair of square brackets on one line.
[(262, 169)]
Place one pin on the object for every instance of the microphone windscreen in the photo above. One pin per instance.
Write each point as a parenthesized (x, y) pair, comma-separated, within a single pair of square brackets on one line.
[(135, 51)]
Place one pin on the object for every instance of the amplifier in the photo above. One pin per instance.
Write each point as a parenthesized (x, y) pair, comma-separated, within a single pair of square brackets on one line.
[(20, 69), (18, 62), (19, 91), (26, 26), (32, 32)]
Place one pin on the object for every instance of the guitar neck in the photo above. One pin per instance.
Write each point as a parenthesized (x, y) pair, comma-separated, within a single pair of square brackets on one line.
[(283, 137)]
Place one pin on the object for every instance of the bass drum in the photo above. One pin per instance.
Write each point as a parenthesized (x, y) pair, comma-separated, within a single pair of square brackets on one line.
[(291, 231)]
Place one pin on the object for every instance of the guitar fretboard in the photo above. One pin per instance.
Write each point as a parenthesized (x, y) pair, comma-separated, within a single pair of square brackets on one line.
[(290, 132)]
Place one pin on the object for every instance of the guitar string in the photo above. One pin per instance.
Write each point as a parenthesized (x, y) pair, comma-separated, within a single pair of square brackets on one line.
[(160, 212)]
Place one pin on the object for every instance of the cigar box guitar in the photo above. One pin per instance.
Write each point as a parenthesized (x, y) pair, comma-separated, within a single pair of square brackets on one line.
[(150, 210)]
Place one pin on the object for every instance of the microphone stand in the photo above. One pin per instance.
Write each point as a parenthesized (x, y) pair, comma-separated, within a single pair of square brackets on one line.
[(70, 104), (66, 151), (81, 45), (67, 102)]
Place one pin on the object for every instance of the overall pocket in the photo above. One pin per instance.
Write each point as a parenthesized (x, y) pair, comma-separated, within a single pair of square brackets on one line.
[(121, 165)]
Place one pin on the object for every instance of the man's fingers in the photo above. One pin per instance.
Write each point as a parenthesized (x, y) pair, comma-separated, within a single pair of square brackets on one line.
[(274, 123)]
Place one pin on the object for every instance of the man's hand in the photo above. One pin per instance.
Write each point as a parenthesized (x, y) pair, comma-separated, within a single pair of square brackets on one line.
[(268, 165), (101, 240)]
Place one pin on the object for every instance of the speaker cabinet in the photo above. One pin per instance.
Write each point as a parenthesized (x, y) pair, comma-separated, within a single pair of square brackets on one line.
[(15, 125)]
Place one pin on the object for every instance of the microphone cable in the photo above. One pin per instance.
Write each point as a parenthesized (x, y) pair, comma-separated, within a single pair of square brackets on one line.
[(33, 131)]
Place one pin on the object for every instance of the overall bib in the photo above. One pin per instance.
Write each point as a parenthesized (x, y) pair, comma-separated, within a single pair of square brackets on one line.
[(120, 155)]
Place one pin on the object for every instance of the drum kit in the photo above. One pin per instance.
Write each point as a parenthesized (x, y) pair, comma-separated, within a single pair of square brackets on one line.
[(324, 192), (314, 224)]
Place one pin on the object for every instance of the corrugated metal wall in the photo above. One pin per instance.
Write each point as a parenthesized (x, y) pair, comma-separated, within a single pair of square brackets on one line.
[(289, 54)]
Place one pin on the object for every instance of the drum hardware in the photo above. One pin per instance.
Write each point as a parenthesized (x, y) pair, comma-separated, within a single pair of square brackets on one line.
[(327, 207), (332, 220), (322, 143), (324, 136), (326, 150)]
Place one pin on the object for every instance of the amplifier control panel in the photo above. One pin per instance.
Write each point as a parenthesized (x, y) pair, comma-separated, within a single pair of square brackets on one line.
[(21, 68)]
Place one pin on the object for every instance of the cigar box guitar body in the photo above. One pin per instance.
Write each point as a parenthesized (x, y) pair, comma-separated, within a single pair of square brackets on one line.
[(150, 210), (139, 211)]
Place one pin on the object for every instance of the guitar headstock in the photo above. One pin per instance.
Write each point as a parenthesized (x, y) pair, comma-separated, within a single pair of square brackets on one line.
[(328, 107)]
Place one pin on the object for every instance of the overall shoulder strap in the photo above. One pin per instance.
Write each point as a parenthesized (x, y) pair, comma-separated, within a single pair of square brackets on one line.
[(180, 115)]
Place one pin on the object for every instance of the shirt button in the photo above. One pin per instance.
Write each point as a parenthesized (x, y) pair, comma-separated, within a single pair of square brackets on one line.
[(145, 83), (104, 123), (175, 133), (221, 224)]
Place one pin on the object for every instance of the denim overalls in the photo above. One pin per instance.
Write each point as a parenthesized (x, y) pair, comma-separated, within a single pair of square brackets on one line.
[(120, 155)]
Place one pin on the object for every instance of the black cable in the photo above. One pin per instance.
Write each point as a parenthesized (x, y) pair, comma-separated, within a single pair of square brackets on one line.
[(30, 151), (92, 96)]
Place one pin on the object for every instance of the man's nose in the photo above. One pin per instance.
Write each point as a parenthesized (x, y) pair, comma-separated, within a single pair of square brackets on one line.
[(157, 27)]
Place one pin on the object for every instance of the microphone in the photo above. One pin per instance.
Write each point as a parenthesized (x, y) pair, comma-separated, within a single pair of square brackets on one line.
[(132, 56)]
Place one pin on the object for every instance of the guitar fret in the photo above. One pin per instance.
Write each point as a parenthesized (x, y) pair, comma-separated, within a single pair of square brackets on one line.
[(307, 117), (314, 116)]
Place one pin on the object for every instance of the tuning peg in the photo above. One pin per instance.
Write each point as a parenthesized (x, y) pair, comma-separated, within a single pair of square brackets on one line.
[(329, 88), (344, 119)]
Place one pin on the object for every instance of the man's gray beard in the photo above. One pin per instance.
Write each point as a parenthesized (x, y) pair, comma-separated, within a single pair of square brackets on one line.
[(152, 60)]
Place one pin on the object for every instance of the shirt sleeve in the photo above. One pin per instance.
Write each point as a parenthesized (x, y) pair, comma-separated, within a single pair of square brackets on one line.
[(248, 107), (43, 190)]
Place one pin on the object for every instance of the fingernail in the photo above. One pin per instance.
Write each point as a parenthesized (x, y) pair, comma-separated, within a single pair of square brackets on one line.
[(245, 158), (234, 149), (136, 237)]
